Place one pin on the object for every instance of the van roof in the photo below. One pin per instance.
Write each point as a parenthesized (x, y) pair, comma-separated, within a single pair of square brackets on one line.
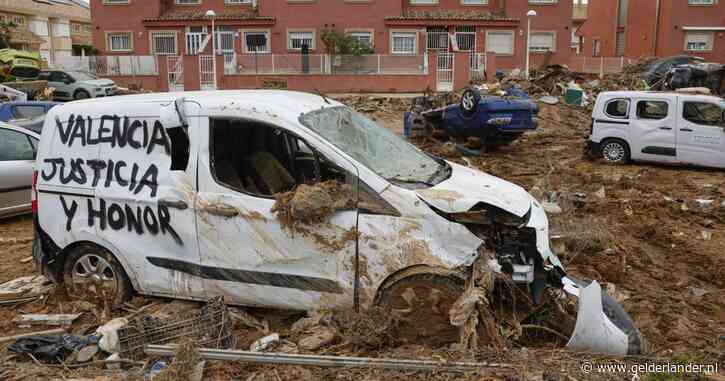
[(282, 102), (639, 93)]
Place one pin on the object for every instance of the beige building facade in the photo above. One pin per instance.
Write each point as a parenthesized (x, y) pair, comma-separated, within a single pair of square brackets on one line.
[(51, 27)]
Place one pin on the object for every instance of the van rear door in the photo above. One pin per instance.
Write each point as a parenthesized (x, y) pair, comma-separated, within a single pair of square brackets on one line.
[(653, 135)]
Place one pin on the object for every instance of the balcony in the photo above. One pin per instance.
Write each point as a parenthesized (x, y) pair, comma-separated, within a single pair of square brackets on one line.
[(580, 12)]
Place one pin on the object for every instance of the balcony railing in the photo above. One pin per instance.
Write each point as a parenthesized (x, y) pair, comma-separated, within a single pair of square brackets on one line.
[(580, 12)]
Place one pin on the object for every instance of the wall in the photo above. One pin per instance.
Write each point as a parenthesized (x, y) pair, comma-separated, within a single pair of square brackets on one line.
[(336, 14), (602, 25), (677, 13), (123, 17)]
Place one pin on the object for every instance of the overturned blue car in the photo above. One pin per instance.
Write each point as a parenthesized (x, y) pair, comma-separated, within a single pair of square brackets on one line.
[(493, 120)]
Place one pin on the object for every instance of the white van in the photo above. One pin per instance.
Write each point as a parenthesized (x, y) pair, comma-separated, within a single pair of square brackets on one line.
[(172, 195), (668, 127)]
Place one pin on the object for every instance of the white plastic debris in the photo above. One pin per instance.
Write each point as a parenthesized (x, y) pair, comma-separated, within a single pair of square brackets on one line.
[(263, 343), (109, 334), (551, 207)]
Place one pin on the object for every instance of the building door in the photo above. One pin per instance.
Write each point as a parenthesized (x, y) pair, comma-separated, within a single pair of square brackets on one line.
[(206, 72), (444, 72), (176, 72)]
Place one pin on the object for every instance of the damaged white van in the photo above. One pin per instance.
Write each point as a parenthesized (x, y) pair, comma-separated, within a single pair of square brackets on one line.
[(175, 195)]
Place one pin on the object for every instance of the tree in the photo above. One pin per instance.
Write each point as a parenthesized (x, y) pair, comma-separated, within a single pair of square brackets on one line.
[(344, 44), (5, 29)]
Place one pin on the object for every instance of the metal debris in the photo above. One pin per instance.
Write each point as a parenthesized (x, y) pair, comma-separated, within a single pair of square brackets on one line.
[(210, 327)]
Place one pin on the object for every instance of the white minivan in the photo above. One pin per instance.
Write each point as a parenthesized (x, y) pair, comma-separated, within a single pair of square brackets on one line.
[(665, 127), (173, 195)]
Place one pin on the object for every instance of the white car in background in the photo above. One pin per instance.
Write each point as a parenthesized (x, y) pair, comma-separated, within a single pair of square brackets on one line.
[(666, 127), (73, 85)]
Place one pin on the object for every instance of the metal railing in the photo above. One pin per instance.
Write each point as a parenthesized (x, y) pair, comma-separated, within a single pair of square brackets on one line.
[(370, 64), (478, 67), (110, 65), (599, 65)]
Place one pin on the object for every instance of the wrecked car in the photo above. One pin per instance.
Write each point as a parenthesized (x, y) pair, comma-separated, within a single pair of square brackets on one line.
[(288, 200), (657, 70), (663, 127), (494, 120), (706, 75)]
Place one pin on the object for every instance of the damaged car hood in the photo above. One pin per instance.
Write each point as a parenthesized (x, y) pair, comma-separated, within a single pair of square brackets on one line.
[(467, 187)]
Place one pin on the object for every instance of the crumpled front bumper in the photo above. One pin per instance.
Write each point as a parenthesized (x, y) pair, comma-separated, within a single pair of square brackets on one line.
[(602, 325)]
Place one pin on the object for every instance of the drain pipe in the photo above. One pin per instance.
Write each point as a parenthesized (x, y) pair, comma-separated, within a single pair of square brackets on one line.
[(657, 28)]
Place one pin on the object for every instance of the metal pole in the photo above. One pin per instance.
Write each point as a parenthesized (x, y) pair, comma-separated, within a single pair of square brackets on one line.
[(213, 51), (331, 361), (528, 44)]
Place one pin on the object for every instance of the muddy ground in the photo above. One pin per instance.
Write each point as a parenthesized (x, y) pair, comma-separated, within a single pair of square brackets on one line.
[(645, 237)]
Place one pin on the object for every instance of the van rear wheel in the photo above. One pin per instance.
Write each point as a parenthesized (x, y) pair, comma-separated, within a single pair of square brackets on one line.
[(92, 273), (615, 151)]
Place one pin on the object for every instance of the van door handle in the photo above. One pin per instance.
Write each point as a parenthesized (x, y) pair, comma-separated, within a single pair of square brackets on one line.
[(222, 210), (665, 128), (685, 129), (176, 204)]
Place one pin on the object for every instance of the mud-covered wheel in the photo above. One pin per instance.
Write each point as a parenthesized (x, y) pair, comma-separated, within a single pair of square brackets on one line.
[(92, 273), (615, 151), (421, 304), (469, 102), (81, 94)]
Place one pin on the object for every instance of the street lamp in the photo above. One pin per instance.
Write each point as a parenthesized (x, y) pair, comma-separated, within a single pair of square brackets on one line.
[(210, 13), (529, 15)]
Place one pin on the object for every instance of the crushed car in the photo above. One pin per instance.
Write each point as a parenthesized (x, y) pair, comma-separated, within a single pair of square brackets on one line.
[(494, 120), (703, 74), (290, 200)]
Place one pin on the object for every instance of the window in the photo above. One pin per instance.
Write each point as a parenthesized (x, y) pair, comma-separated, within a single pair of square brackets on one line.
[(617, 108), (466, 38), (112, 2), (237, 1), (475, 2), (700, 2), (188, 2), (698, 41), (542, 1), (708, 114), (363, 38), (404, 42), (296, 40), (19, 20), (543, 41), (423, 2), (15, 146), (596, 48), (256, 42), (76, 28), (654, 110), (260, 159), (163, 42), (195, 35), (500, 42), (120, 42), (27, 111)]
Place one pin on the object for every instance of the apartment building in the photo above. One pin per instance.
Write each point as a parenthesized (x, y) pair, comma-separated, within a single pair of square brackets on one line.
[(52, 27), (389, 27), (647, 28)]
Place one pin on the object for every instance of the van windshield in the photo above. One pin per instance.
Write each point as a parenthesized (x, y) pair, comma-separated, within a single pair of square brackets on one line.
[(376, 147)]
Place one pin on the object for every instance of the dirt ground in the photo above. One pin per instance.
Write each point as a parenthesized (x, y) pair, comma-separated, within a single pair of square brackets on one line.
[(644, 237)]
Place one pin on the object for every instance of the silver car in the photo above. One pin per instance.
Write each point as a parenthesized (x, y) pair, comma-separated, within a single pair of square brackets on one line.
[(18, 148)]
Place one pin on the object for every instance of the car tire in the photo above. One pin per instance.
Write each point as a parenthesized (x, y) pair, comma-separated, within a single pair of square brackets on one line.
[(91, 272), (81, 94), (469, 102), (426, 294), (615, 151)]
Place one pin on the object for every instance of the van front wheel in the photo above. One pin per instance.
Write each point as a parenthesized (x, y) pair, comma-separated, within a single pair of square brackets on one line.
[(615, 151), (92, 273)]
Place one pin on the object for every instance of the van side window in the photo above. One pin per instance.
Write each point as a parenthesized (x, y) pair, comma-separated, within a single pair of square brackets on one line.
[(179, 148), (260, 159), (617, 108), (708, 114), (655, 110)]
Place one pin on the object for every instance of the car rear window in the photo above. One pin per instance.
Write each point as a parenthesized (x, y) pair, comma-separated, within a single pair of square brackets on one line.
[(27, 111), (617, 108), (655, 110)]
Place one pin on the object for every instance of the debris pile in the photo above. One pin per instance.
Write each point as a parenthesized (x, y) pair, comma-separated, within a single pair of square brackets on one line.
[(312, 204)]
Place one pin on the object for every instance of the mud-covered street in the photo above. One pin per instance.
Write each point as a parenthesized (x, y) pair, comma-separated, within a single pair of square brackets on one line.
[(652, 235)]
